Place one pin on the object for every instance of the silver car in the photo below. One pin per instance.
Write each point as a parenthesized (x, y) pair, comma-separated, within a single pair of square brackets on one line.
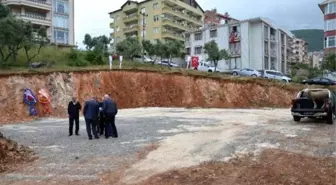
[(246, 72)]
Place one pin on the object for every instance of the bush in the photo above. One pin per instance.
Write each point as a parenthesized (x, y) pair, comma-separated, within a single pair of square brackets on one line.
[(299, 79), (75, 59), (94, 58), (90, 56)]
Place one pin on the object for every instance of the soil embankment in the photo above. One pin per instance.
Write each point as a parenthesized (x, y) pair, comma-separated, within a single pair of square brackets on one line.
[(133, 89)]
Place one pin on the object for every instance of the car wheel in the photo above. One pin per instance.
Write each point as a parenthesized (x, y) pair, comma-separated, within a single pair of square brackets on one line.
[(254, 75), (296, 118), (330, 117), (235, 74), (209, 71), (284, 81)]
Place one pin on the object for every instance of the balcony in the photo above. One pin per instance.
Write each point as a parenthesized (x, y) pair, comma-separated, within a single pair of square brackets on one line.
[(39, 4), (273, 39), (35, 19), (172, 35), (266, 52), (273, 53), (234, 52), (132, 7), (177, 13), (131, 29), (131, 18), (112, 25), (184, 6), (174, 24)]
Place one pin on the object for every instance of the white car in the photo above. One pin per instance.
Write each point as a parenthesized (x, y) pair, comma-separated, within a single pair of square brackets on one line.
[(246, 72), (146, 59), (206, 66), (272, 74)]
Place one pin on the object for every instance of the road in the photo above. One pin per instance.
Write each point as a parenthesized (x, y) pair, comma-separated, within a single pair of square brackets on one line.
[(186, 137)]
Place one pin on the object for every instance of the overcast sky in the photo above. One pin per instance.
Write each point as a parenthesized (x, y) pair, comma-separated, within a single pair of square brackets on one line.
[(93, 17)]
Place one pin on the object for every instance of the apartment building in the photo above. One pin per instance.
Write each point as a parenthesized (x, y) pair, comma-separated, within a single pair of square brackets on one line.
[(316, 58), (299, 51), (213, 18), (254, 43), (56, 15), (328, 8), (155, 20)]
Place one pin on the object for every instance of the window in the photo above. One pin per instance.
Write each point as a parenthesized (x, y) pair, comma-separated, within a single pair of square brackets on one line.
[(156, 30), (143, 10), (61, 36), (198, 36), (155, 6), (188, 51), (61, 7), (330, 8), (213, 33), (198, 50), (117, 28), (329, 42), (330, 25), (141, 21), (156, 18), (61, 21)]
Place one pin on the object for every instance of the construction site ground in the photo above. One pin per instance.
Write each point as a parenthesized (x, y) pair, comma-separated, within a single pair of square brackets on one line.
[(160, 146)]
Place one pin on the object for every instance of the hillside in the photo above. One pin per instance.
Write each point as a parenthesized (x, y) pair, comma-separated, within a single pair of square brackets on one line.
[(313, 36)]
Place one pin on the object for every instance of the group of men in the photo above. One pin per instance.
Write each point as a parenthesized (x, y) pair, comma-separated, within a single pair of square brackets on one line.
[(99, 117)]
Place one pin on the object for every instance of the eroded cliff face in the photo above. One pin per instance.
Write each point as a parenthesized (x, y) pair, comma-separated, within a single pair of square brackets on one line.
[(136, 89)]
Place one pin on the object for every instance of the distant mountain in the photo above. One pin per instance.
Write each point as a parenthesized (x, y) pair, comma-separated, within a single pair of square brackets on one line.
[(314, 37)]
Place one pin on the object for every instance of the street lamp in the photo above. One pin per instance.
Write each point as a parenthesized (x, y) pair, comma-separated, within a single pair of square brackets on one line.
[(143, 14)]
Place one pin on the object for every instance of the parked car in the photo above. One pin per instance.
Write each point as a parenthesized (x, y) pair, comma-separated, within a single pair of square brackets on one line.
[(246, 72), (323, 105), (276, 75), (167, 63), (146, 59), (319, 81), (206, 66)]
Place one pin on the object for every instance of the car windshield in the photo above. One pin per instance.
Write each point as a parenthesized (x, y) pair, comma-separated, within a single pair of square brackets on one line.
[(278, 74)]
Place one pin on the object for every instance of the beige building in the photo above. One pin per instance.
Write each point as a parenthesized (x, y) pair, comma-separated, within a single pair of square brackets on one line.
[(299, 51), (56, 15), (155, 20), (316, 58)]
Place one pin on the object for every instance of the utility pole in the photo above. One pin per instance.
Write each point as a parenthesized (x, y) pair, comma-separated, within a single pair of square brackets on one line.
[(143, 14)]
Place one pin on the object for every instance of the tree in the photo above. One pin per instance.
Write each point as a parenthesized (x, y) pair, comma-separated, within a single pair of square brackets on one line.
[(12, 34), (150, 49), (33, 39), (174, 49), (214, 54), (329, 62), (129, 48)]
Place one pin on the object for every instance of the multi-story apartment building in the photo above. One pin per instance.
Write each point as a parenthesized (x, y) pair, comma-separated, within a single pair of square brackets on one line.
[(316, 58), (299, 51), (253, 43), (328, 8), (212, 18), (56, 15), (155, 19)]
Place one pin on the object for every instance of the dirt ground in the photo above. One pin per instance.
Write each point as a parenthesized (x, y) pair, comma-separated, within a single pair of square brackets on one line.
[(244, 146), (13, 155), (271, 167)]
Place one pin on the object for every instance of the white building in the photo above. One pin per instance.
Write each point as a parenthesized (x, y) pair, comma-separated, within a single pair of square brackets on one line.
[(253, 43)]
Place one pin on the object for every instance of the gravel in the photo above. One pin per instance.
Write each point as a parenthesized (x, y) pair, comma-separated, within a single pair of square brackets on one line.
[(77, 158)]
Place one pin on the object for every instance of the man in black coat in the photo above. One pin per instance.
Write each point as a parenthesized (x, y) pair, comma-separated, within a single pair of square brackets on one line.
[(73, 110), (110, 111), (91, 111)]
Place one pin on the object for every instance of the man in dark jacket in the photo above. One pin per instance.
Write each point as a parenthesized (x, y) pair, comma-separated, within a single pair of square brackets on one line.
[(73, 111), (110, 111), (91, 111)]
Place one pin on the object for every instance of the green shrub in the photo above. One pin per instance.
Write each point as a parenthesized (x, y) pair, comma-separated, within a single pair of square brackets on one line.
[(299, 79), (77, 63)]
